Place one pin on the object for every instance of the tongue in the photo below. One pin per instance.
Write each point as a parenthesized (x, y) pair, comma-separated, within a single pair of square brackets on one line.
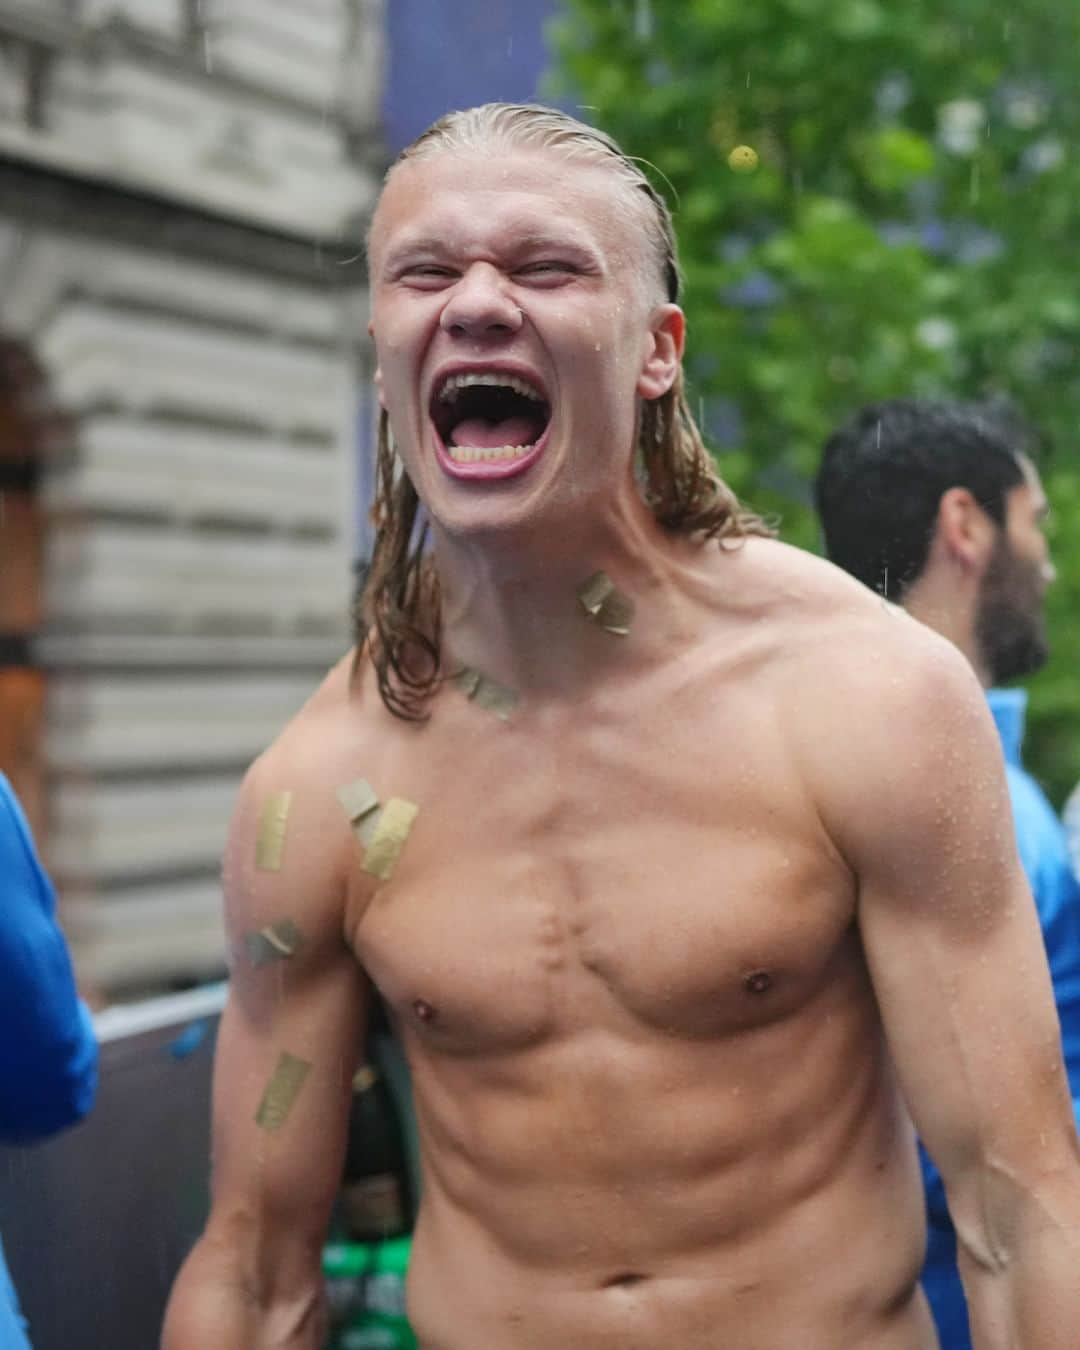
[(489, 435)]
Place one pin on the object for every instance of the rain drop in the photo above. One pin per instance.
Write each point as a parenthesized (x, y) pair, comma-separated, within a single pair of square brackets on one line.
[(643, 20)]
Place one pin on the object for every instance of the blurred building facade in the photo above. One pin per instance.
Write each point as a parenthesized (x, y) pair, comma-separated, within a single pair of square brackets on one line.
[(184, 188)]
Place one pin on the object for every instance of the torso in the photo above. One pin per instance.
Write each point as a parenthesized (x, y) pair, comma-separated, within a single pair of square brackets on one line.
[(654, 1100)]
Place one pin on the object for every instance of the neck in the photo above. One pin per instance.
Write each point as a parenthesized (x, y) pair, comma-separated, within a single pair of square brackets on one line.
[(511, 608), (950, 610)]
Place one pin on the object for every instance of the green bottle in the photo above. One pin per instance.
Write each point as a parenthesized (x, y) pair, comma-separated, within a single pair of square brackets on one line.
[(365, 1284)]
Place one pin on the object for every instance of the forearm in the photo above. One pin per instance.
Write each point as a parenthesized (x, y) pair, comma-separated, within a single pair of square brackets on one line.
[(1028, 1296), (214, 1304)]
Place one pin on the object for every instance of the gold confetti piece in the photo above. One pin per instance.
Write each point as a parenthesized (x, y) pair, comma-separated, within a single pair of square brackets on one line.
[(361, 805), (743, 159), (273, 819), (468, 681), (616, 614), (276, 943), (357, 799), (594, 591), (495, 698), (365, 828), (488, 694), (395, 822), (365, 1078), (606, 606), (281, 1092)]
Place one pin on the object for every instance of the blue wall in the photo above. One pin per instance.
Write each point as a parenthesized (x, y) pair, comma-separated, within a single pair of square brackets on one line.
[(447, 54)]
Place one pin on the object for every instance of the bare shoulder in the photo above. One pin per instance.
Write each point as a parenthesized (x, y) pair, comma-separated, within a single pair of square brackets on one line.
[(290, 849), (884, 717), (844, 646), (340, 725)]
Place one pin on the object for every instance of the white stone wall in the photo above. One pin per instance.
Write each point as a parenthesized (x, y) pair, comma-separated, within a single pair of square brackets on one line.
[(244, 107), (202, 525)]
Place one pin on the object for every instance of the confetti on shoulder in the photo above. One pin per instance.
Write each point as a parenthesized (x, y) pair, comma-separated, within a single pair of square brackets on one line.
[(273, 822), (391, 834), (362, 808)]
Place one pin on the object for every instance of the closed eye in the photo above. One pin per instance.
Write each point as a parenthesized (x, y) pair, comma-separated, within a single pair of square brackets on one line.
[(548, 270), (427, 275)]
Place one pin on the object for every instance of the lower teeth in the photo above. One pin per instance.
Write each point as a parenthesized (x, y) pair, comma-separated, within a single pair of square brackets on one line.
[(469, 454)]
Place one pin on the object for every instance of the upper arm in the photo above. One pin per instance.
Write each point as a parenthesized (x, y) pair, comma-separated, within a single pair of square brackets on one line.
[(48, 1054), (921, 812), (275, 1181)]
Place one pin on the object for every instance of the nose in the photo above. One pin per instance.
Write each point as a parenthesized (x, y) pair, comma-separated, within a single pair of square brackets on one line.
[(1049, 572), (478, 305)]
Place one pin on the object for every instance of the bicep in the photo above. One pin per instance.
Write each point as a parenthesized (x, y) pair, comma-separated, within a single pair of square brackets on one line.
[(281, 1093), (290, 1036), (952, 939), (968, 1012)]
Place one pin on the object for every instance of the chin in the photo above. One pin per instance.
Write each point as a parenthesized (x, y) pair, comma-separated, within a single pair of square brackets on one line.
[(496, 517)]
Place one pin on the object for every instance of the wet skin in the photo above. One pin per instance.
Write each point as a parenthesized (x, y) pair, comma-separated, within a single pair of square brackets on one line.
[(653, 1098), (668, 950)]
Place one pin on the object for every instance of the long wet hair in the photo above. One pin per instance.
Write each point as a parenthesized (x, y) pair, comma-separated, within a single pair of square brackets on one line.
[(399, 613)]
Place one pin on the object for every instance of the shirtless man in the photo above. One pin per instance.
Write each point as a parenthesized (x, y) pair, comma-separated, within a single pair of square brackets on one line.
[(688, 919)]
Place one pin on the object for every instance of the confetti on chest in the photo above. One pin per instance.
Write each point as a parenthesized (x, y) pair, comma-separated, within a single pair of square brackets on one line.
[(391, 834), (361, 805)]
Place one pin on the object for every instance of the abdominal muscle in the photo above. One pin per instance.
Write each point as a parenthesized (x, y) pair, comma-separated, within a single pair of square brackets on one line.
[(756, 1193)]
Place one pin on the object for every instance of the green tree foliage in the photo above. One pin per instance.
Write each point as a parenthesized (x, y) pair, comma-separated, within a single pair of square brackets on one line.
[(912, 226)]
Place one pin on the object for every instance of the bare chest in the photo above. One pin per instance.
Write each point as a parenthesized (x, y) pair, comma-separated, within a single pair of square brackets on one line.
[(620, 876)]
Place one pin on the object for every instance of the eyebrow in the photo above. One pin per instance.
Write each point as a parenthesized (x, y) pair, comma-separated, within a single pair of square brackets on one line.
[(430, 245)]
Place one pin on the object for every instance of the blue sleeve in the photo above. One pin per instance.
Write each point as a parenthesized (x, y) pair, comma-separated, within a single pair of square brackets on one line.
[(48, 1052), (1044, 854)]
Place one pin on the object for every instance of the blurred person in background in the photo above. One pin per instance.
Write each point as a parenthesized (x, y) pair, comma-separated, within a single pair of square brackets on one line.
[(1071, 817), (48, 1051), (939, 507)]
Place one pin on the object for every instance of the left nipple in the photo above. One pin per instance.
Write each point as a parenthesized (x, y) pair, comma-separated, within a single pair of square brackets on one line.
[(759, 982), (424, 1011)]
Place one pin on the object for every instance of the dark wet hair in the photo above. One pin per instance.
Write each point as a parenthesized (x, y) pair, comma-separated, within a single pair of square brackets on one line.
[(883, 475)]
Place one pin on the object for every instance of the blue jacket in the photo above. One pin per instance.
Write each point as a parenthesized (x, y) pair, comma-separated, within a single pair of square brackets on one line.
[(48, 1052), (1044, 854)]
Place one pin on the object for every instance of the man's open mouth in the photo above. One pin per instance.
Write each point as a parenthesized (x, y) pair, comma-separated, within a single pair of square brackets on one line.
[(489, 417)]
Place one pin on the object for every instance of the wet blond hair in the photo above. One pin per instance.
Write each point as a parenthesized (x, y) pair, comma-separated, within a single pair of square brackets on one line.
[(399, 614)]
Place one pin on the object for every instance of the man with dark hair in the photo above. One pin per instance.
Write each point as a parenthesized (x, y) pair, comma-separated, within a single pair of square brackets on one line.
[(898, 482), (616, 812), (938, 505)]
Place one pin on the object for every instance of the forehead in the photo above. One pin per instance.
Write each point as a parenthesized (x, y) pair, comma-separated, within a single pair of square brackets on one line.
[(479, 198), (1030, 492)]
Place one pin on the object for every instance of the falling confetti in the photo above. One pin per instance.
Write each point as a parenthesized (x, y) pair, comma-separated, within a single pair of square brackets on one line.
[(743, 159)]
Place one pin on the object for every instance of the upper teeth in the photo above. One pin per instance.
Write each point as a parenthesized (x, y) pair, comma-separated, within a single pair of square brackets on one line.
[(453, 384)]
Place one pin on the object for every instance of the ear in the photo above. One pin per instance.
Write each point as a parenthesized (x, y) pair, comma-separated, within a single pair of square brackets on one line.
[(667, 335), (964, 531)]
